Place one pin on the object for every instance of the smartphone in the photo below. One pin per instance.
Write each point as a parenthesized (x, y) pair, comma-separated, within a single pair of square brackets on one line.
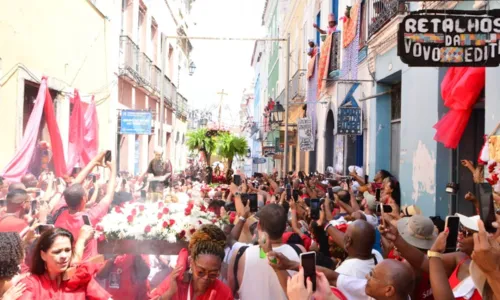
[(384, 208), (43, 227), (308, 263), (330, 193), (230, 206), (107, 156), (288, 192), (94, 178), (377, 194), (37, 194), (296, 195), (254, 204), (315, 207), (34, 205), (143, 195), (453, 224), (3, 203), (348, 182), (237, 180), (366, 179), (86, 220)]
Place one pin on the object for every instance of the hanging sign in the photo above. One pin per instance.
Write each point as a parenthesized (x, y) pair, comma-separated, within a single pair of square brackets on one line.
[(306, 138), (136, 122), (450, 39), (349, 114), (259, 160), (268, 150)]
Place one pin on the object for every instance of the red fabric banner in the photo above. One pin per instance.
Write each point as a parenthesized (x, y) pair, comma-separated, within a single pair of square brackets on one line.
[(20, 163), (460, 90), (76, 134), (324, 63), (91, 137)]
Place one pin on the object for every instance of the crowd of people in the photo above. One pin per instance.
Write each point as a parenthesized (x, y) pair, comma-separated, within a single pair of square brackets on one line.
[(365, 244)]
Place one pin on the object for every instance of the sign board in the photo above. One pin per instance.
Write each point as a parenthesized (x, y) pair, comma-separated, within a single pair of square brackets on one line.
[(135, 122), (450, 39), (259, 160), (268, 150), (306, 137), (349, 121)]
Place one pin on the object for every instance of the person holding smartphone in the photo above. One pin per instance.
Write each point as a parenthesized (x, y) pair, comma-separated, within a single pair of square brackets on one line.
[(72, 218)]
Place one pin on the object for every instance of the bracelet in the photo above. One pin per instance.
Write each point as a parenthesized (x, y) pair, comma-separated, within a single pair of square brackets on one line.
[(242, 219), (433, 254)]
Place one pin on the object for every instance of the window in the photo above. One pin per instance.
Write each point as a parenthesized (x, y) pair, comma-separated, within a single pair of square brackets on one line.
[(335, 9), (318, 22), (363, 26), (395, 128)]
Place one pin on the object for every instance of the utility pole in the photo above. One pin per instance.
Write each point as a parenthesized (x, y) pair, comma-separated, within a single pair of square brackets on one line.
[(222, 94), (162, 87), (287, 94)]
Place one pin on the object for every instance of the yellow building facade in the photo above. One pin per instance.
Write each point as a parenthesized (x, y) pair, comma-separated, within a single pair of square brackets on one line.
[(67, 41)]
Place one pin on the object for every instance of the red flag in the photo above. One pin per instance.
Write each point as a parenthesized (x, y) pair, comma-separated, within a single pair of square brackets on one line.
[(55, 137), (76, 134), (91, 137)]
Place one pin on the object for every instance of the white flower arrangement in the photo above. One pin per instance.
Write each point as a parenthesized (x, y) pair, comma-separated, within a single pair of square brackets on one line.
[(172, 222)]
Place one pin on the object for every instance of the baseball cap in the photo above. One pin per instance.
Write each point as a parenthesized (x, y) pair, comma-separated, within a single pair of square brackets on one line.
[(411, 210), (469, 222), (418, 231)]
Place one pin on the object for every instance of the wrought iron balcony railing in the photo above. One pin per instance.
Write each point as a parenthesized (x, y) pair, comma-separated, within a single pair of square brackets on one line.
[(335, 53), (168, 90), (130, 56), (156, 78), (145, 66), (298, 85), (380, 12)]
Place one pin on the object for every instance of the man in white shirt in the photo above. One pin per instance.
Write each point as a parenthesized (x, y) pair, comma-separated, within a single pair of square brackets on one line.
[(389, 280), (358, 241)]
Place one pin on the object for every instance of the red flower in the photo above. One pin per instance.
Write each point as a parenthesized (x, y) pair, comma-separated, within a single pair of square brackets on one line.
[(190, 205), (118, 209), (165, 210), (160, 215), (147, 229), (494, 177), (192, 230), (101, 238), (99, 228), (187, 211), (165, 224), (214, 221), (171, 222), (181, 235), (130, 218), (141, 208), (134, 212), (203, 208), (160, 204), (199, 222)]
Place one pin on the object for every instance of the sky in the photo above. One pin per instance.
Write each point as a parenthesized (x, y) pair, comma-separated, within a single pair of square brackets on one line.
[(223, 64)]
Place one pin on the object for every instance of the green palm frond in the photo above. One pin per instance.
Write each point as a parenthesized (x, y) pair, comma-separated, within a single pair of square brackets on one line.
[(228, 145)]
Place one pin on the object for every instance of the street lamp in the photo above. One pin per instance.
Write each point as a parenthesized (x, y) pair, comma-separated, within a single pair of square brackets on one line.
[(192, 68), (249, 153), (277, 113), (203, 122)]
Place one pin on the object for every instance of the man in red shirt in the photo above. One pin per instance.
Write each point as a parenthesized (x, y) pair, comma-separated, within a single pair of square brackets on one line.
[(18, 205), (76, 199)]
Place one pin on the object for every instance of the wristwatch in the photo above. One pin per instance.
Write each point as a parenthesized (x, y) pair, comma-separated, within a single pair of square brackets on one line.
[(433, 254), (242, 219), (237, 194)]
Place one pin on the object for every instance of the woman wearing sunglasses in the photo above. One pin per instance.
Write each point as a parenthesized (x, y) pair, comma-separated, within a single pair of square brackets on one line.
[(206, 250)]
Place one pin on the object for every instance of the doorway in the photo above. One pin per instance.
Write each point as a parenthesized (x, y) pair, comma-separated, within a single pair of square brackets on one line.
[(329, 140), (469, 147)]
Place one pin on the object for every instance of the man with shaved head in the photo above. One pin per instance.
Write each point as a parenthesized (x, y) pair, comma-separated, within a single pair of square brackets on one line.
[(358, 242)]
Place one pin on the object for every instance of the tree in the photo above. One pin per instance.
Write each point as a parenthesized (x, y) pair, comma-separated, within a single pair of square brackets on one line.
[(228, 146), (198, 140)]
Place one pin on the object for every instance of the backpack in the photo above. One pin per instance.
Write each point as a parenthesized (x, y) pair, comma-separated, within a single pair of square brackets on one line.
[(51, 219)]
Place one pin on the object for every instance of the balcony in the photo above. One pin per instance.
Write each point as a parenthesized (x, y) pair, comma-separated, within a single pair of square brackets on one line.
[(156, 78), (380, 12), (298, 85), (334, 68), (145, 69), (181, 106), (129, 57), (281, 97), (168, 90)]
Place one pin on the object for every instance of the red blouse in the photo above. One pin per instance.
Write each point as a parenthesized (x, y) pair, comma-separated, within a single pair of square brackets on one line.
[(81, 286)]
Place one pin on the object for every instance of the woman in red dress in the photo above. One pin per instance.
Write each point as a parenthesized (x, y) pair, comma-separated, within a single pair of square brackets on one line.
[(51, 276), (207, 255)]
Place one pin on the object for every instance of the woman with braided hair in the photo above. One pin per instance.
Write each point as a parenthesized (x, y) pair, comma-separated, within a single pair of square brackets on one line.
[(206, 254)]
